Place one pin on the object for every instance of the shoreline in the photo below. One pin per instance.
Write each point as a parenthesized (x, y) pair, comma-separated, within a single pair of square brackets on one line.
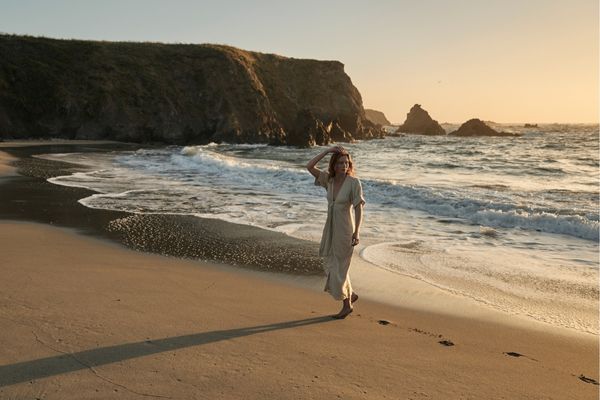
[(30, 197), (212, 240), (87, 317)]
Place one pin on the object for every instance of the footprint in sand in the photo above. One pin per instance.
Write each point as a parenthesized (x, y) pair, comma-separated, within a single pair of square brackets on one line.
[(422, 332), (513, 354), (588, 380), (517, 355), (383, 322), (446, 342)]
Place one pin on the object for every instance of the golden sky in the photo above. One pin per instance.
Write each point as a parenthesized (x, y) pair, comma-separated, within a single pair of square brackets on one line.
[(499, 60)]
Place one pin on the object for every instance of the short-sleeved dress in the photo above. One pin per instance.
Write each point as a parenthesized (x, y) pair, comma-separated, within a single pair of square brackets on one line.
[(336, 242)]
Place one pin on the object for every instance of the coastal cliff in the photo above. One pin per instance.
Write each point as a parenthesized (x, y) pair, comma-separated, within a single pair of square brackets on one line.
[(377, 117), (171, 93)]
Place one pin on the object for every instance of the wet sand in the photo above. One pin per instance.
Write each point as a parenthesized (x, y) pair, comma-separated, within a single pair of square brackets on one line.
[(30, 197), (85, 317), (6, 169)]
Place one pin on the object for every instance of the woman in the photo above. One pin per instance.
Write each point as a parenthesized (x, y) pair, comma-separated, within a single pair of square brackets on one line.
[(341, 232)]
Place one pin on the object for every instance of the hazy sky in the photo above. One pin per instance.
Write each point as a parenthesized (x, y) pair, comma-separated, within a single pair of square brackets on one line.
[(498, 60)]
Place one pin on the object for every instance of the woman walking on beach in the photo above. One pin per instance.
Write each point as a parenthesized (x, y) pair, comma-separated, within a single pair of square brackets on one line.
[(341, 231)]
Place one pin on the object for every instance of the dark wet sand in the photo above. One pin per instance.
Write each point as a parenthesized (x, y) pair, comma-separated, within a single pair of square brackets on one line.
[(29, 197)]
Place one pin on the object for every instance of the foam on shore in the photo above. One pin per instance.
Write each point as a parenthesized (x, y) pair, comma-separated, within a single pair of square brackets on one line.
[(512, 282)]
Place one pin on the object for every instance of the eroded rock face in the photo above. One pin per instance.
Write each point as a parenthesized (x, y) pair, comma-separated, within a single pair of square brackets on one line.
[(371, 131), (179, 94), (308, 131), (419, 122), (337, 133), (376, 117), (476, 127)]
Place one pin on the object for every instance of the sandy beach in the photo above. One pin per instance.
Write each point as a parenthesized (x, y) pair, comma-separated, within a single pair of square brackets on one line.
[(86, 317), (5, 167)]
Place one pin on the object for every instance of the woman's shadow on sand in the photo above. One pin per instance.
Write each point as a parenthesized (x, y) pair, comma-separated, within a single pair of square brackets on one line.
[(70, 362)]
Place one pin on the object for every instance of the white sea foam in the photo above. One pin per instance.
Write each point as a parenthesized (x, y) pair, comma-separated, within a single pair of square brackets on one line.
[(495, 210), (480, 195), (510, 281)]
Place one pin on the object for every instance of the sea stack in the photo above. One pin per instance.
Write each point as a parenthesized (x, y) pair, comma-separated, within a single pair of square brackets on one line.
[(476, 127), (419, 122)]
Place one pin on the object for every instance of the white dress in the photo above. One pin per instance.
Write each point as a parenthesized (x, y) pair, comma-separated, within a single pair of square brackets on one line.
[(336, 242)]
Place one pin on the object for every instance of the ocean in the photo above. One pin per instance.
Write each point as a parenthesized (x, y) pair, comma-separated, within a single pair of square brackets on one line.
[(510, 222)]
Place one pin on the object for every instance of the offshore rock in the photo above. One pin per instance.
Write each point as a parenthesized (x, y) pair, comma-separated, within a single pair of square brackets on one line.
[(419, 122), (169, 93), (476, 127)]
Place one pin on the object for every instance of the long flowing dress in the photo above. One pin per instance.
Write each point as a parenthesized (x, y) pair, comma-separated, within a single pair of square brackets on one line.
[(336, 242)]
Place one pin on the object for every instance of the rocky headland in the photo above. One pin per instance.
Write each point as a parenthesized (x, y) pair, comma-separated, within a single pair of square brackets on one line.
[(376, 117), (419, 122), (173, 94)]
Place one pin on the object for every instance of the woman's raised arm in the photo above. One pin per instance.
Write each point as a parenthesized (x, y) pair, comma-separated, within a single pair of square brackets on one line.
[(314, 171)]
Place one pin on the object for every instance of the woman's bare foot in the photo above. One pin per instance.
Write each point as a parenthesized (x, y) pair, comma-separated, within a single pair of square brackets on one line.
[(353, 298), (344, 312)]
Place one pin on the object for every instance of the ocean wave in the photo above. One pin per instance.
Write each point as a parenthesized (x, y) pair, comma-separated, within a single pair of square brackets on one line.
[(493, 207), (550, 171), (245, 174), (209, 168), (491, 186), (200, 157), (497, 211)]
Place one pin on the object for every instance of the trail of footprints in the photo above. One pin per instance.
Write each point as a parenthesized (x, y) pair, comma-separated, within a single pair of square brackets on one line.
[(449, 343)]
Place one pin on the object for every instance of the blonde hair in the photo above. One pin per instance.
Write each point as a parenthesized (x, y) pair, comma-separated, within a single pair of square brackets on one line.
[(334, 159)]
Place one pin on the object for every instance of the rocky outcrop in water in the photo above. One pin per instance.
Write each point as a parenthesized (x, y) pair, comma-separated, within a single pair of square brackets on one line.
[(476, 127), (376, 117), (419, 122), (172, 93)]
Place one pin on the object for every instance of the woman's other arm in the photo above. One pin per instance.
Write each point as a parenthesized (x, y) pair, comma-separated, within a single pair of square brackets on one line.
[(358, 212)]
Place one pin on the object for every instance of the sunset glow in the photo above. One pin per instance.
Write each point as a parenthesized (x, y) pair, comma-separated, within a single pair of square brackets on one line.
[(504, 61)]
